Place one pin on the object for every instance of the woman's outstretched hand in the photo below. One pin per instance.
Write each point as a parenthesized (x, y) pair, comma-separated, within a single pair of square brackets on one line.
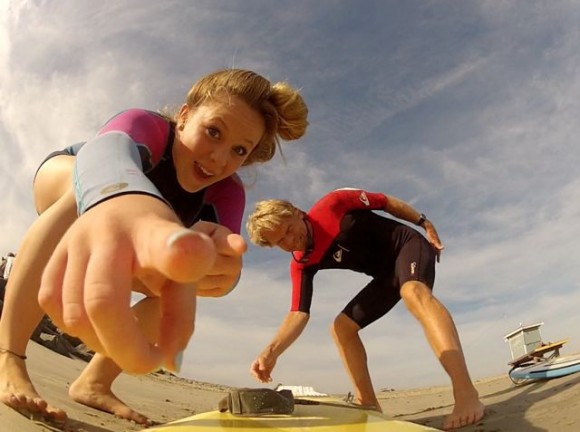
[(87, 283)]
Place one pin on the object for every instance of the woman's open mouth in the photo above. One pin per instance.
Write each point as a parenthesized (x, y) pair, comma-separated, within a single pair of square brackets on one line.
[(202, 172)]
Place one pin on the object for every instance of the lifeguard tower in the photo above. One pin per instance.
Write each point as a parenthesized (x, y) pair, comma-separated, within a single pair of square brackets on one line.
[(534, 359), (524, 340)]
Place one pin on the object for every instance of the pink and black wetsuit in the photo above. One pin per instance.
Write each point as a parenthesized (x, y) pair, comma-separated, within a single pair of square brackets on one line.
[(132, 154), (348, 234)]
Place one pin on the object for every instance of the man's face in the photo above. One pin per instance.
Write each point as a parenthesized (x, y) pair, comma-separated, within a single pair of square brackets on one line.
[(291, 235)]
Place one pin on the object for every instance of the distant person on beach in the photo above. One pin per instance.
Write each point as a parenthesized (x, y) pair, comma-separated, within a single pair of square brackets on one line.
[(122, 213), (341, 231), (6, 265)]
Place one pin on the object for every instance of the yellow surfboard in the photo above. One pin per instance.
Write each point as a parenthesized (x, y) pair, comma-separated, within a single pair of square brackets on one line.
[(337, 416)]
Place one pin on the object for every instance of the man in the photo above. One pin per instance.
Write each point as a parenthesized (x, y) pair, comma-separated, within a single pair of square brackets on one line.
[(342, 231)]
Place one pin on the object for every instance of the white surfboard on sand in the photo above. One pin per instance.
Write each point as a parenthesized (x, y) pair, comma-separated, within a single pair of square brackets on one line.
[(552, 368)]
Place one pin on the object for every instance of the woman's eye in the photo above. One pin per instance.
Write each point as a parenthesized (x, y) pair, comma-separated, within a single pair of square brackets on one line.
[(240, 151), (213, 132)]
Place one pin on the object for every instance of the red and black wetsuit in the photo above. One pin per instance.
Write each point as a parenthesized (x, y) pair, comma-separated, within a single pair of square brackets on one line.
[(347, 234)]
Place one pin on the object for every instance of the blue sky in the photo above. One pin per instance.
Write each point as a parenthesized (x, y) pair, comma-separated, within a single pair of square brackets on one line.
[(467, 110)]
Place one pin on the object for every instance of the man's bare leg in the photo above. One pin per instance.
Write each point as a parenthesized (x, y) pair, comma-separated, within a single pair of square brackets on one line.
[(353, 354), (442, 335)]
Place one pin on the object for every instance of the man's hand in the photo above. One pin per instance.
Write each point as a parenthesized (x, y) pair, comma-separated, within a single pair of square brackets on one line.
[(262, 368), (291, 327), (433, 238)]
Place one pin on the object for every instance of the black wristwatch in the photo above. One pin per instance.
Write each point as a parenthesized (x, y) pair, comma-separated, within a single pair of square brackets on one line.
[(421, 220)]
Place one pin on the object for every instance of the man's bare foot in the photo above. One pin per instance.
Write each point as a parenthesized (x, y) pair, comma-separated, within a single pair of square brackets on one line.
[(371, 404), (102, 398), (465, 412), (17, 391)]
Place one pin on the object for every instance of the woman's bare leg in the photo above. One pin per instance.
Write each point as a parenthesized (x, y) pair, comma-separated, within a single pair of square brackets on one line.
[(93, 387), (21, 313)]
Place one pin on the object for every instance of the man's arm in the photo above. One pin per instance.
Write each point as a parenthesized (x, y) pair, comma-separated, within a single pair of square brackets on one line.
[(402, 210), (290, 329)]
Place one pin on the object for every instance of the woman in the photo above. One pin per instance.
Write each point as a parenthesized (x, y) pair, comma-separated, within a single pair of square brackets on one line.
[(116, 215)]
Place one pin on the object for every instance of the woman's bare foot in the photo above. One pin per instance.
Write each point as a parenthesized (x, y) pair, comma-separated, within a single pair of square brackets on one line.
[(17, 391), (102, 398)]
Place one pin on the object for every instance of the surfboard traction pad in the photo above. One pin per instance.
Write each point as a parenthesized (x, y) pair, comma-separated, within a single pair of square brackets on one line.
[(257, 401)]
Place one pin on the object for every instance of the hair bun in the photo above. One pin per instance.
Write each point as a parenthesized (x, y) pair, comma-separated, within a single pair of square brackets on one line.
[(292, 111)]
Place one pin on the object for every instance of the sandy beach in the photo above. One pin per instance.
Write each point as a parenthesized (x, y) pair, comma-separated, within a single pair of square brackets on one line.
[(552, 405)]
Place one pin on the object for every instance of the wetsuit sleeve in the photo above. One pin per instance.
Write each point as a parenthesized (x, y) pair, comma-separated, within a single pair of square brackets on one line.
[(110, 165), (357, 199), (150, 130), (227, 198), (302, 287)]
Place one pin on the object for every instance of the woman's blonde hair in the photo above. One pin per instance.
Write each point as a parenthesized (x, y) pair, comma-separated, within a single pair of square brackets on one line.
[(283, 109), (267, 216)]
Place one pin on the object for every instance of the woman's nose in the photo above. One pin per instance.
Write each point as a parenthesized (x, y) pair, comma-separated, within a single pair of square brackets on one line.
[(219, 156)]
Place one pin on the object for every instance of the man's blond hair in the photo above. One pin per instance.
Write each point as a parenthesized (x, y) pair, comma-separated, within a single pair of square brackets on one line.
[(267, 216)]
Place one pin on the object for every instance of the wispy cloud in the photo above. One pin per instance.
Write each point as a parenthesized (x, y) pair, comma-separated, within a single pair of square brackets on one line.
[(468, 111)]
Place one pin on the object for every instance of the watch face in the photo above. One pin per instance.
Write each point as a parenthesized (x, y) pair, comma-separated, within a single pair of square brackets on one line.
[(422, 219)]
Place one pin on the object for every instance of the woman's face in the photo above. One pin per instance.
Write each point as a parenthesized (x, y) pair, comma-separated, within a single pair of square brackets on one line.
[(213, 140)]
